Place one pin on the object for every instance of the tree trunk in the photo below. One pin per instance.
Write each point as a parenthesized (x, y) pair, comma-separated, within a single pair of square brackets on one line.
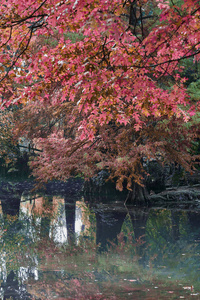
[(138, 196)]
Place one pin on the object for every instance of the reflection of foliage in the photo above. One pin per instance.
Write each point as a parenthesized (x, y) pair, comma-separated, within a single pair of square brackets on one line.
[(166, 236), (87, 275), (79, 272), (127, 226), (15, 244), (89, 221)]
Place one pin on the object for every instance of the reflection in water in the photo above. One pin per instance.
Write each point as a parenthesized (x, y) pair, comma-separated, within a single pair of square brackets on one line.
[(194, 225), (10, 204), (12, 289), (35, 236), (12, 279), (46, 216), (70, 210), (139, 219), (55, 216), (108, 226), (175, 218)]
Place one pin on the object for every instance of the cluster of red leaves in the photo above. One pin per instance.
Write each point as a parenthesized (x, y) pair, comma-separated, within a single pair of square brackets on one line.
[(112, 97)]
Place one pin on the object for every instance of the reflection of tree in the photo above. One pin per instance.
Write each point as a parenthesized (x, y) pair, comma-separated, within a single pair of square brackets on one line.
[(10, 204), (70, 212), (14, 246), (12, 290), (46, 216), (11, 287), (166, 234), (139, 219), (194, 224), (175, 218), (108, 225), (10, 207)]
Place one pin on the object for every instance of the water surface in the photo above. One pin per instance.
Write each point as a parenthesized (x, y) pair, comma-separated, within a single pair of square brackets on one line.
[(62, 247)]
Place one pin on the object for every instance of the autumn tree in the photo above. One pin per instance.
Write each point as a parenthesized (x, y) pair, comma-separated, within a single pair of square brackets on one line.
[(113, 97)]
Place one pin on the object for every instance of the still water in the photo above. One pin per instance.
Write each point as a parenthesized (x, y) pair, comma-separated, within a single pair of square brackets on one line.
[(62, 247)]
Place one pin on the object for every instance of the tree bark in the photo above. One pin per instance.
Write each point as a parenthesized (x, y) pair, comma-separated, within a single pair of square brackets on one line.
[(138, 196)]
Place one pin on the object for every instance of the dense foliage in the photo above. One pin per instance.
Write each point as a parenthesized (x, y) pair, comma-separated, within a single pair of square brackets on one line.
[(100, 83)]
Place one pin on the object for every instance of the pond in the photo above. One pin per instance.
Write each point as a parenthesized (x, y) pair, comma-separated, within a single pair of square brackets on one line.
[(65, 247)]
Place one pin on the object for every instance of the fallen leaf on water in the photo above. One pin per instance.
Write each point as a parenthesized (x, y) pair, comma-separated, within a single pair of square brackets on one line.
[(132, 280), (190, 288)]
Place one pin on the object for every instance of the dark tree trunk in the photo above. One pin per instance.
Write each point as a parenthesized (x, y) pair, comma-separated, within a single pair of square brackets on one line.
[(138, 196)]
